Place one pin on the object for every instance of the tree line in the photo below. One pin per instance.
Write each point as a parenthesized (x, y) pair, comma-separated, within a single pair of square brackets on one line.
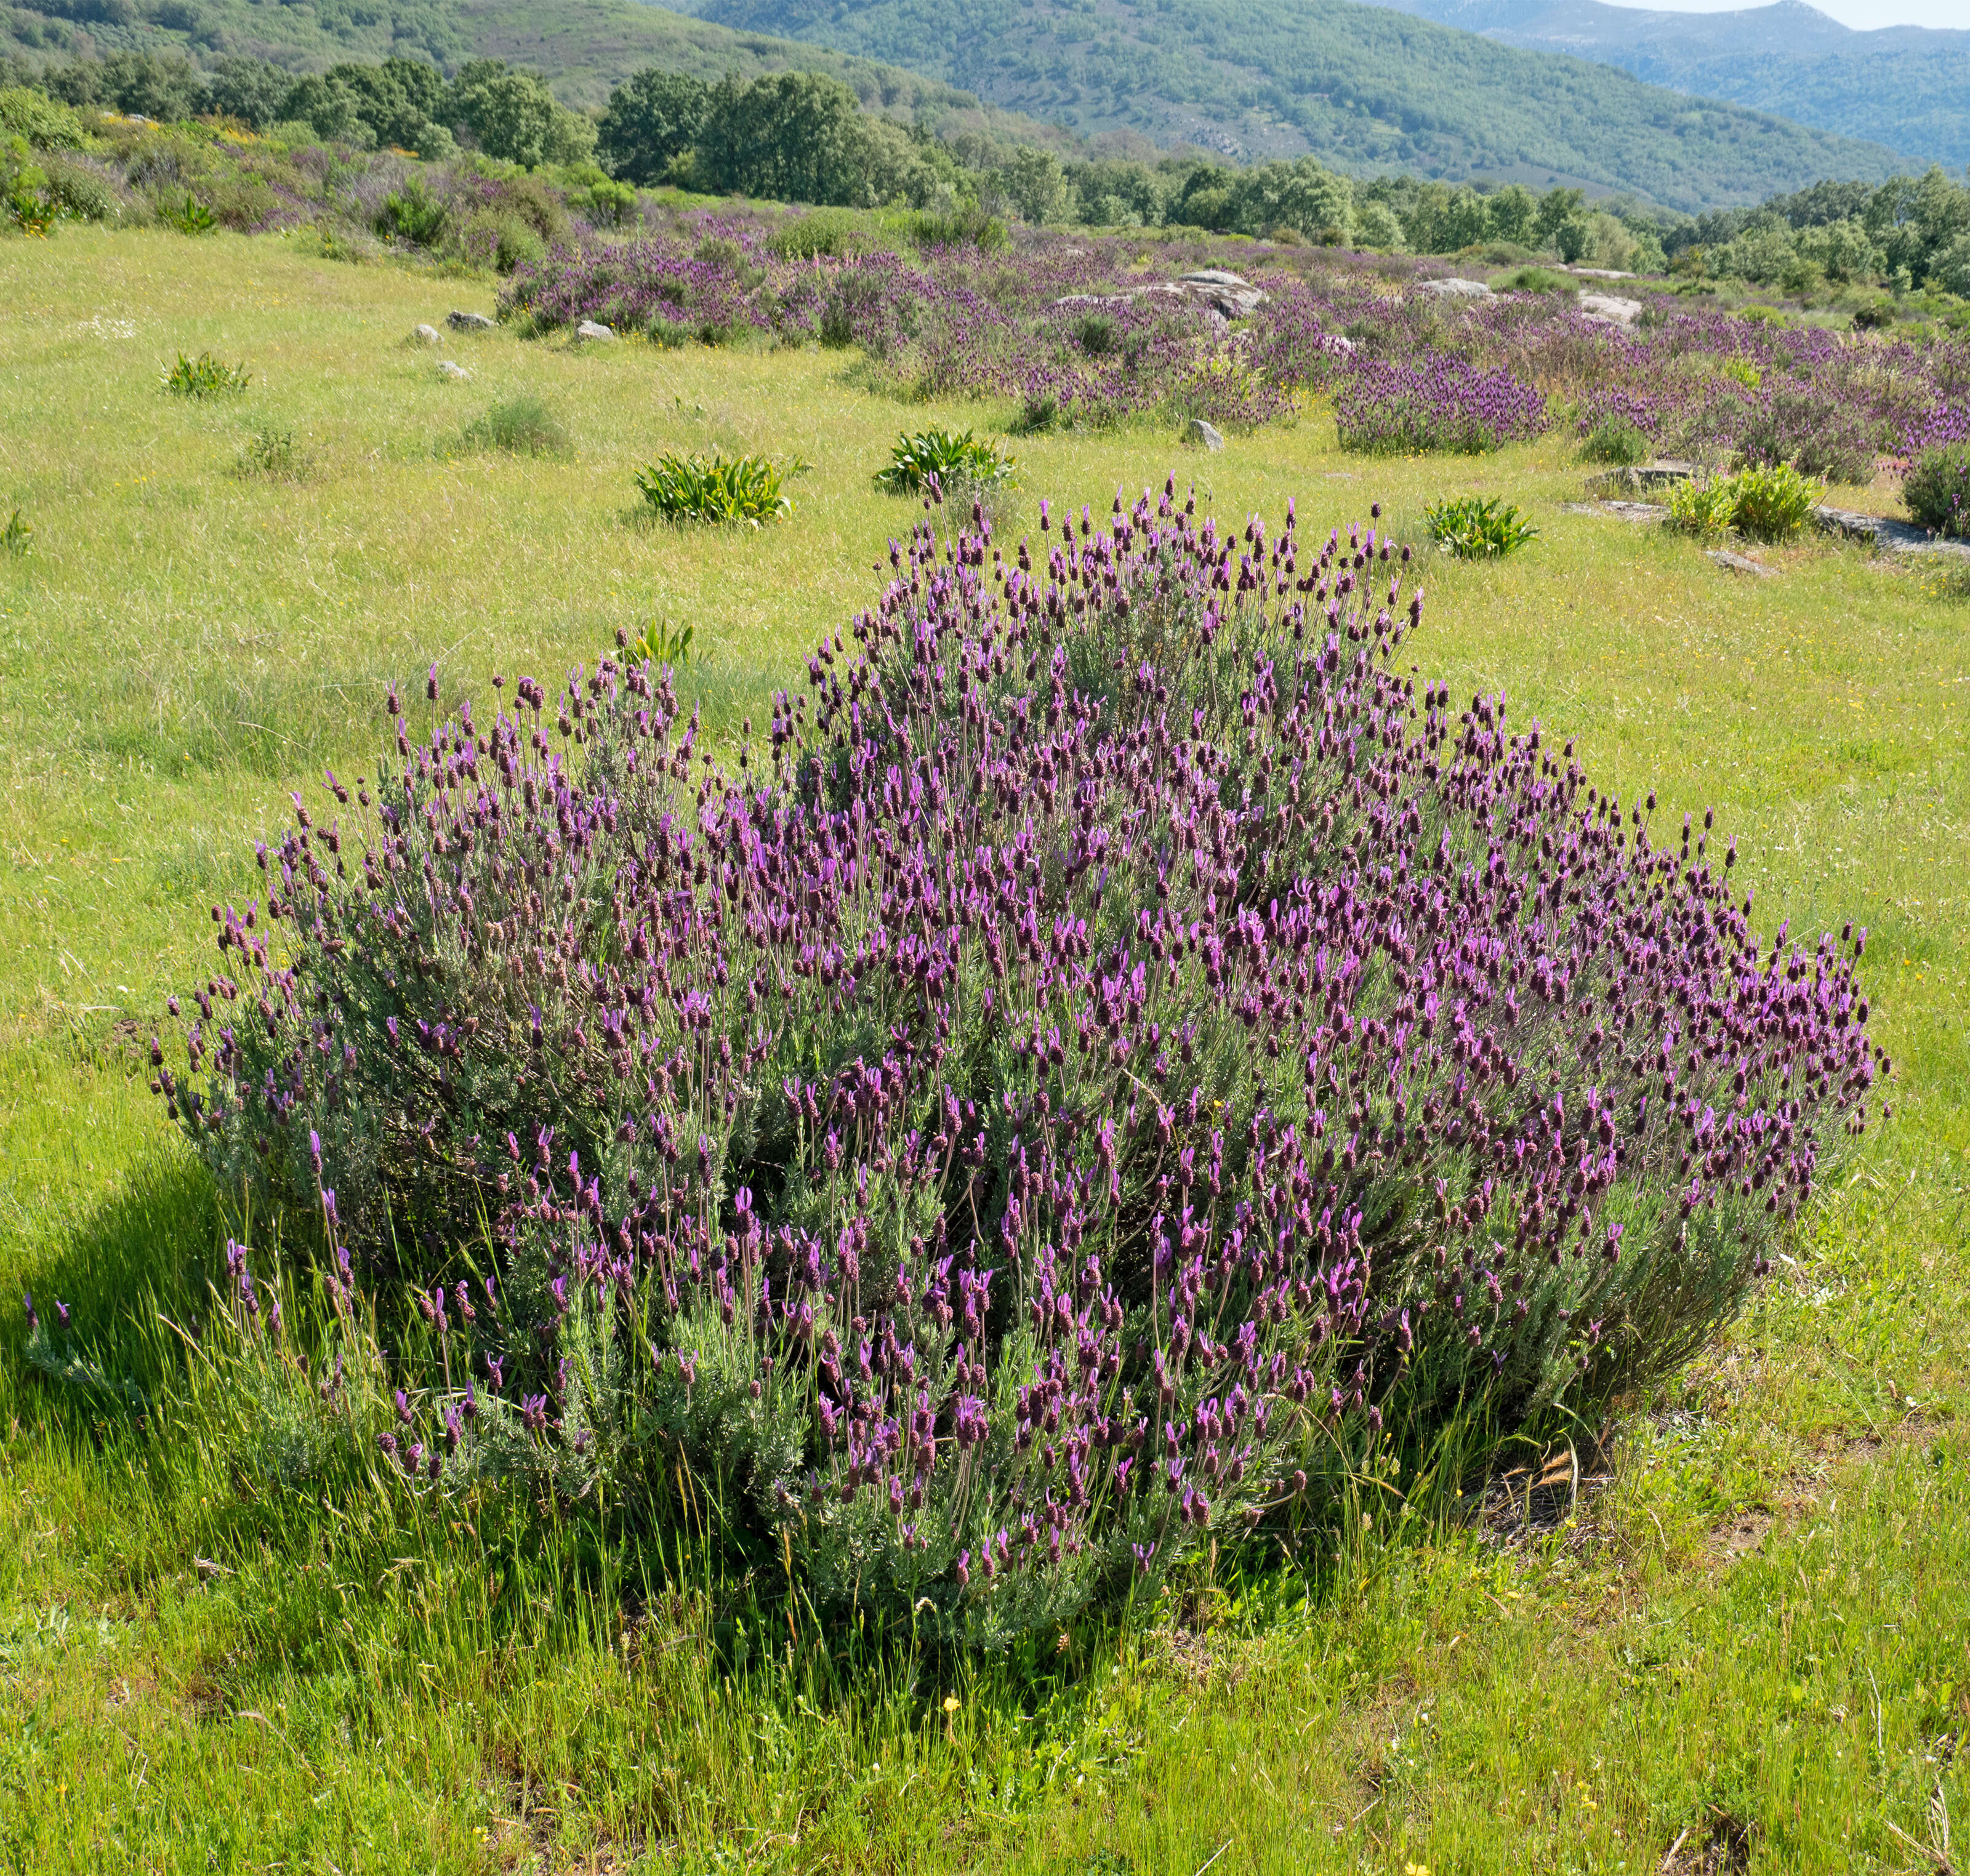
[(805, 137)]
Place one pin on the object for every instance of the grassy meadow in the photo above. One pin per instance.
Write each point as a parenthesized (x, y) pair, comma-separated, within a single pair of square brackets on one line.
[(1748, 1649)]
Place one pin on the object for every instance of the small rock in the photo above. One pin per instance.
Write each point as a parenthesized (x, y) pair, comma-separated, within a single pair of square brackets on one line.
[(1600, 273), (1457, 289), (1607, 309), (1637, 511), (1635, 477), (425, 335), (593, 328), (1208, 434), (446, 369), (468, 322), (1737, 564)]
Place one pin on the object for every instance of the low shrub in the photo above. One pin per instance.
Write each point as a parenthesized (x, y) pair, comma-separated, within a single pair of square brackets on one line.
[(1476, 528), (1618, 440), (413, 215), (204, 376), (1772, 501), (956, 459), (522, 426), (1116, 1054), (696, 487), (1384, 408), (1040, 413), (1817, 433), (79, 191), (1937, 490), (1097, 334), (38, 121)]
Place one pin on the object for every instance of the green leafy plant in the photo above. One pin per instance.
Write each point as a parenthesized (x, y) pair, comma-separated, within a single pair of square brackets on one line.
[(1700, 506), (1743, 371), (16, 534), (205, 376), (188, 217), (696, 487), (658, 644), (521, 426), (956, 459), (1478, 529), (1938, 490), (275, 455), (23, 190), (1772, 501)]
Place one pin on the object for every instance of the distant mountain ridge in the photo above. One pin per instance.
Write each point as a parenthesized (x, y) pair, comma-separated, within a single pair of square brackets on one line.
[(1906, 87), (1364, 89)]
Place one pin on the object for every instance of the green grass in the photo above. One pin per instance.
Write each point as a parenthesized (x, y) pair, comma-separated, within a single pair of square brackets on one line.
[(1762, 1623)]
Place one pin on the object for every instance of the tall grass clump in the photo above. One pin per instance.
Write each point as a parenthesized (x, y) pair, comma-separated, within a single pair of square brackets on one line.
[(275, 456), (1113, 1048), (744, 488), (1937, 490), (522, 426)]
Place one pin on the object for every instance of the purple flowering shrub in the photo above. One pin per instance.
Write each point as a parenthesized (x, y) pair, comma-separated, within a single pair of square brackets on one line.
[(1442, 404), (1937, 489), (1119, 1045)]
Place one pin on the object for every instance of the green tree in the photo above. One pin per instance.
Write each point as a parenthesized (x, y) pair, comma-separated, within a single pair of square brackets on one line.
[(512, 115), (1303, 195), (1035, 185), (1557, 206), (1513, 213), (330, 109), (651, 120), (250, 90), (791, 137)]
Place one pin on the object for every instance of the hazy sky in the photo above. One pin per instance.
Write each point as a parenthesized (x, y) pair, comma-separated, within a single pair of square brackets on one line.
[(1862, 14)]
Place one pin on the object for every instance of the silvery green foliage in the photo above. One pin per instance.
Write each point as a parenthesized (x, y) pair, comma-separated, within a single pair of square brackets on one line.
[(1120, 1041)]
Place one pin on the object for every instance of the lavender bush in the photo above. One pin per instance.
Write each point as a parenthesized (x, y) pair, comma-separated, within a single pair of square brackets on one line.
[(1384, 409), (1118, 1045)]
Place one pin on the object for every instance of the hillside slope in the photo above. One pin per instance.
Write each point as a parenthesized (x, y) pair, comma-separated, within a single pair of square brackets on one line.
[(1906, 87), (583, 47), (1364, 89)]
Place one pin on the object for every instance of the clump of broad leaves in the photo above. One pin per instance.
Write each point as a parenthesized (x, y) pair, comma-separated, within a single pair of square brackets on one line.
[(1119, 1046)]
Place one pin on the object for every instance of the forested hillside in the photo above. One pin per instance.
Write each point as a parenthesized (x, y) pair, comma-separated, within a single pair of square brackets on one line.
[(584, 48), (1364, 89), (1906, 87), (1367, 90)]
